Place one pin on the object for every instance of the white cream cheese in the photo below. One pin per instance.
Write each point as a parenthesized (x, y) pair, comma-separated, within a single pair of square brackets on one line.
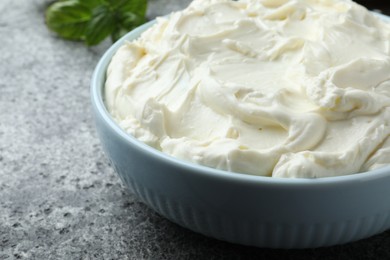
[(281, 88)]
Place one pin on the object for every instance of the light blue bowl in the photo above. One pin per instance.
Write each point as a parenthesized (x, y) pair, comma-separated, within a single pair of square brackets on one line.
[(243, 209)]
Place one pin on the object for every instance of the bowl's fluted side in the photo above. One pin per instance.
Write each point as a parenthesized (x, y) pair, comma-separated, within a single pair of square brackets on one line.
[(263, 214)]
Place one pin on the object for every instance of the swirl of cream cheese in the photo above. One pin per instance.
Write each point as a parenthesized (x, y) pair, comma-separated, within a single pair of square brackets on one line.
[(281, 88)]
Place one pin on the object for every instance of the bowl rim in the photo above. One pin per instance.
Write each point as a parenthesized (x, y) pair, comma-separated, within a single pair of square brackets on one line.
[(97, 99)]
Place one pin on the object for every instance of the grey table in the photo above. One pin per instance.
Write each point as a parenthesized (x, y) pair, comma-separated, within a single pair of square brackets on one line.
[(59, 198)]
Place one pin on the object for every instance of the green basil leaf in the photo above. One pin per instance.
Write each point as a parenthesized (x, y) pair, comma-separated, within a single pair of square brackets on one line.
[(136, 7), (100, 26), (128, 15), (131, 20), (68, 18), (91, 4), (118, 33), (125, 23), (94, 20)]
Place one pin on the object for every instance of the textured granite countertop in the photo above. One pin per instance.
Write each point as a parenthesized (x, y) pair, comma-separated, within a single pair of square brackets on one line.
[(59, 198)]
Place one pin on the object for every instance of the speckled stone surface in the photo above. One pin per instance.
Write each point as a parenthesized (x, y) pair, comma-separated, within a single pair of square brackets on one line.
[(59, 198)]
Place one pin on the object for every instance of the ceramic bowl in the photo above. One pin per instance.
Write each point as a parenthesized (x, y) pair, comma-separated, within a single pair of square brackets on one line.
[(249, 210)]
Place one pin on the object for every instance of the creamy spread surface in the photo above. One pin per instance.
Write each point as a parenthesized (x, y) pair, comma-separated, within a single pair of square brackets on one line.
[(281, 88)]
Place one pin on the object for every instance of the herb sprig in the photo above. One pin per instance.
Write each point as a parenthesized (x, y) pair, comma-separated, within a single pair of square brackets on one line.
[(92, 21)]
